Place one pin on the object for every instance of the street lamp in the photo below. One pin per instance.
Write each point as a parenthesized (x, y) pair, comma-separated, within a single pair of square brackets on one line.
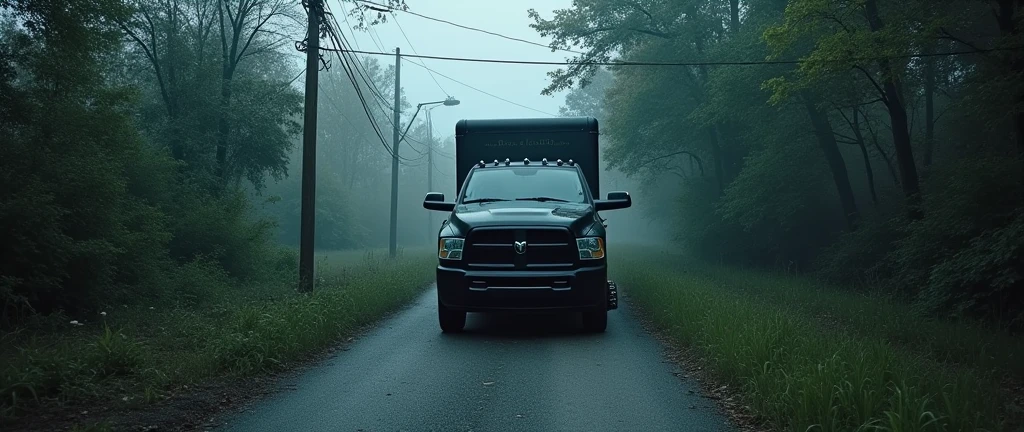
[(449, 101)]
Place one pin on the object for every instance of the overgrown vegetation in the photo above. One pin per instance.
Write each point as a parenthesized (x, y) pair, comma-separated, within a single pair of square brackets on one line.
[(148, 195), (806, 357), (886, 148), (141, 353), (149, 145)]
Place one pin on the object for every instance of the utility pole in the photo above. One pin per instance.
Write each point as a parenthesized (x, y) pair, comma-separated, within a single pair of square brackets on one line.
[(307, 219), (393, 246), (430, 170)]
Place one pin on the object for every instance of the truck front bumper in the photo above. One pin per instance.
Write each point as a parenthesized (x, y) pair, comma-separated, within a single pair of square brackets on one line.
[(483, 291)]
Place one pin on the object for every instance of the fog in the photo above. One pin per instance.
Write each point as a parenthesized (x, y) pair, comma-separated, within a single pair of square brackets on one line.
[(354, 166)]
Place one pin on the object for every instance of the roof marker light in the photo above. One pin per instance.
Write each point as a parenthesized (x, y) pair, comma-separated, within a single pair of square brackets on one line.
[(560, 162), (544, 161), (526, 161), (495, 162), (482, 164), (571, 163), (507, 161)]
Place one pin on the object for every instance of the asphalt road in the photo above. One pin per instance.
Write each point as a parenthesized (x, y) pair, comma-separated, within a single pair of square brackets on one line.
[(520, 373)]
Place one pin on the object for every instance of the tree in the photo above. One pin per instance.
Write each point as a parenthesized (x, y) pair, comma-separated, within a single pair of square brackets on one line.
[(852, 32), (247, 28)]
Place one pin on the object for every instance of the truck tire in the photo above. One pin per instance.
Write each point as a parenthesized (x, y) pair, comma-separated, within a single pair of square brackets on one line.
[(451, 321)]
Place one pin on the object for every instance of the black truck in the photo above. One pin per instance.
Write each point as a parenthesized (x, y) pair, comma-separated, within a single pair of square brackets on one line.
[(524, 233)]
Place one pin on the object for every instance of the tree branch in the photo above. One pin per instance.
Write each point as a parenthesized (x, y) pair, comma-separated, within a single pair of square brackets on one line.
[(700, 163), (949, 36), (874, 83)]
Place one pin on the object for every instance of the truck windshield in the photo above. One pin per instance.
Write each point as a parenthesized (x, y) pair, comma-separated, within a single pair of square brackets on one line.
[(524, 183)]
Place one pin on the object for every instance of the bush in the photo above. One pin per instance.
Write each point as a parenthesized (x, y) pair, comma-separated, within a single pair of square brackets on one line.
[(985, 279), (221, 229), (963, 258), (856, 258), (69, 222)]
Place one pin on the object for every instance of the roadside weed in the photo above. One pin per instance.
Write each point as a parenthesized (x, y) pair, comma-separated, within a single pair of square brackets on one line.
[(767, 338), (135, 354)]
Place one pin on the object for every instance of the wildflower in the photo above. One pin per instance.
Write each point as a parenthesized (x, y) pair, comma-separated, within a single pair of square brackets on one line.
[(103, 313), (151, 308), (75, 322)]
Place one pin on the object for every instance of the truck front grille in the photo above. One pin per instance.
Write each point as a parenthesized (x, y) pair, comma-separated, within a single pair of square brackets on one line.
[(547, 248)]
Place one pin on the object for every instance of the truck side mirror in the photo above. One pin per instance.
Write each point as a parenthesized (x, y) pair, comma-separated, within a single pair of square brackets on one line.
[(615, 201), (435, 201)]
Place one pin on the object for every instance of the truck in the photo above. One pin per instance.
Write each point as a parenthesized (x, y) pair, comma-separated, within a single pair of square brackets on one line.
[(524, 233)]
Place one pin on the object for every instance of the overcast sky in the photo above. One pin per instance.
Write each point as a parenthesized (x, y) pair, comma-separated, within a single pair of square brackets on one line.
[(521, 84)]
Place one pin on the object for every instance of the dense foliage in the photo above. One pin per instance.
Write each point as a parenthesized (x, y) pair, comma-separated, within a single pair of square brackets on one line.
[(870, 141), (140, 141)]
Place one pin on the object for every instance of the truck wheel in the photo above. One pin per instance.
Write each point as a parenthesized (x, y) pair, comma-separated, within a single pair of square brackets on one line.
[(596, 321), (451, 321)]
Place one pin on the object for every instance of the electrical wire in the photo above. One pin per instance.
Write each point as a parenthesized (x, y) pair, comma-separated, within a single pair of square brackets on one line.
[(706, 63), (355, 41), (485, 92), (351, 30), (350, 66), (474, 28), (415, 52)]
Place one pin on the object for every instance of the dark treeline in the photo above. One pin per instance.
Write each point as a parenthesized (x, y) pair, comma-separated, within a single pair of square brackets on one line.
[(150, 149), (891, 156)]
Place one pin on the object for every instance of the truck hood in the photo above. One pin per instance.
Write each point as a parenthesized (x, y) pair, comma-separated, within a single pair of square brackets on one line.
[(577, 217)]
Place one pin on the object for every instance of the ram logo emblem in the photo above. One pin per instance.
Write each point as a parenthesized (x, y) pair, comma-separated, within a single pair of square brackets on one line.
[(520, 247)]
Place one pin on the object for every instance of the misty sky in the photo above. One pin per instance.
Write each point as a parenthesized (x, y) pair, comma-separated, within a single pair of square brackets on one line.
[(518, 83)]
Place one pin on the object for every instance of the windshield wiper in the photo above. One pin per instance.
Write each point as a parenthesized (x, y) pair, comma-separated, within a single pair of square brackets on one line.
[(542, 199), (482, 200)]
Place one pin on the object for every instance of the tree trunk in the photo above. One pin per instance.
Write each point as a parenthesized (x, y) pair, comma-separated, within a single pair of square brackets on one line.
[(929, 109), (828, 144), (734, 8), (717, 154), (864, 153), (223, 127), (900, 124), (1005, 14)]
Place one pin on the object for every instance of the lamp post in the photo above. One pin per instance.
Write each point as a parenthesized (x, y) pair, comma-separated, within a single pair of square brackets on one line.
[(450, 101)]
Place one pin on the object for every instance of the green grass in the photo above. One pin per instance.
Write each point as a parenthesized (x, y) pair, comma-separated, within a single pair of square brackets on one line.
[(806, 358), (138, 354)]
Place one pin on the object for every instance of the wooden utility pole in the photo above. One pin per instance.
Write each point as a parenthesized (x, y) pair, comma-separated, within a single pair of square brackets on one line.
[(307, 219), (393, 245), (430, 171)]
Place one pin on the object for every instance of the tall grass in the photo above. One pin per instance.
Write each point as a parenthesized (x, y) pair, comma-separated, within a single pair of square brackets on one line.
[(805, 359), (135, 355)]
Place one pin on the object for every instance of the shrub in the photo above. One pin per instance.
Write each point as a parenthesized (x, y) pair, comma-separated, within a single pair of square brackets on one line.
[(984, 279), (221, 229)]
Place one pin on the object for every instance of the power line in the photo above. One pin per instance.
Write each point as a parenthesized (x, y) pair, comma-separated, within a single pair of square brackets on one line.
[(350, 29), (373, 33), (414, 52), (486, 93), (706, 63), (349, 65), (475, 29), (371, 85), (358, 68)]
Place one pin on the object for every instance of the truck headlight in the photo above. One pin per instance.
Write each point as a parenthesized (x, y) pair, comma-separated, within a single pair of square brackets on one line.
[(450, 248), (590, 248)]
